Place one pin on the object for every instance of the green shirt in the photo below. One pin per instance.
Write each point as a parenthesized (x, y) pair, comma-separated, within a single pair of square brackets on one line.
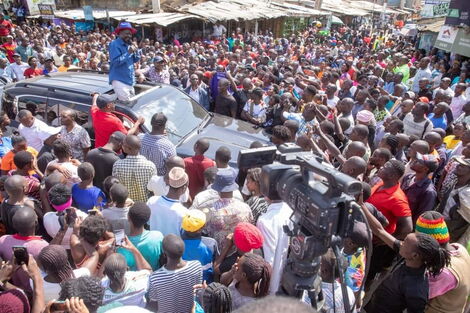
[(149, 243), (405, 70)]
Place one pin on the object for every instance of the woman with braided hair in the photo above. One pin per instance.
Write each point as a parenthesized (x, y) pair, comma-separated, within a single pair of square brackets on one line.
[(53, 261), (248, 279), (123, 287), (215, 298)]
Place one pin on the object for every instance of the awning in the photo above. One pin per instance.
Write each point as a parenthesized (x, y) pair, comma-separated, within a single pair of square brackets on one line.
[(343, 8), (97, 14), (369, 6), (336, 20), (431, 25), (163, 19), (453, 39), (225, 10)]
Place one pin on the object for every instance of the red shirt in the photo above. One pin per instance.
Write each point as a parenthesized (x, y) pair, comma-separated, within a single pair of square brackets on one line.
[(392, 202), (10, 49), (5, 28), (29, 72), (195, 167), (105, 124)]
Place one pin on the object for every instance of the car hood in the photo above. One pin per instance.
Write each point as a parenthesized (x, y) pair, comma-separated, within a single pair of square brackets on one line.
[(224, 131)]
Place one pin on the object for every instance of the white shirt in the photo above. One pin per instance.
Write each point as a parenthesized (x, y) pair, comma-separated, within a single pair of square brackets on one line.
[(18, 70), (158, 186), (447, 91), (331, 103), (218, 30), (457, 104), (166, 215), (426, 73), (72, 168), (276, 241), (412, 128), (259, 110), (194, 93), (37, 133), (135, 288), (52, 290), (52, 226)]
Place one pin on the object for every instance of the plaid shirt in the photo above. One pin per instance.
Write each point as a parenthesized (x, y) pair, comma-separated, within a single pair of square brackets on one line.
[(134, 172), (158, 149), (303, 125)]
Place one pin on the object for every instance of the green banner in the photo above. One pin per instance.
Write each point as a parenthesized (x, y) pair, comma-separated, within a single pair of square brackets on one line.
[(462, 43)]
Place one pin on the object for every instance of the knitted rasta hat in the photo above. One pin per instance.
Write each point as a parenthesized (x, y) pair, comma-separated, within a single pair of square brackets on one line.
[(433, 224)]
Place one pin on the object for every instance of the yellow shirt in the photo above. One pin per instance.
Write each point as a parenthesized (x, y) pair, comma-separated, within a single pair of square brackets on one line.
[(451, 142)]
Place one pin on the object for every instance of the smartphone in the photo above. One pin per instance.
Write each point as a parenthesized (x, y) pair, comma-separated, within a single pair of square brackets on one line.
[(70, 216), (119, 234), (21, 255), (58, 306)]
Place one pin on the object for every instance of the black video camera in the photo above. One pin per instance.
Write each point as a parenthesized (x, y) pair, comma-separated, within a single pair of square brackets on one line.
[(321, 198)]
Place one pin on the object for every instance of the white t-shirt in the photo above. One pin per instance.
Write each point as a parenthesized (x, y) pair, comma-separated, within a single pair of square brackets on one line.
[(331, 103), (37, 133), (259, 110), (52, 226), (18, 70), (158, 186), (52, 290), (72, 168), (166, 215), (457, 104), (134, 291), (218, 30)]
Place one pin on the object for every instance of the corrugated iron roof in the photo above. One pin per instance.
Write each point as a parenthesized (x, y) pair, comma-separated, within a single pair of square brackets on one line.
[(77, 14), (163, 19), (246, 10), (431, 25)]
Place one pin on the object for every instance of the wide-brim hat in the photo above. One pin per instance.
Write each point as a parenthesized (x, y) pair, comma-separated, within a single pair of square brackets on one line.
[(123, 26)]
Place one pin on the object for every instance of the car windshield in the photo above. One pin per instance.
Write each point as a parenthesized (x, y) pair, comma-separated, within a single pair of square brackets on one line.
[(183, 113)]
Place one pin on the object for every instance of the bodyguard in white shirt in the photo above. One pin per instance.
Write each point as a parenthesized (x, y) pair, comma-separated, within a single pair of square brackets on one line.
[(37, 132), (18, 67), (423, 72), (276, 241)]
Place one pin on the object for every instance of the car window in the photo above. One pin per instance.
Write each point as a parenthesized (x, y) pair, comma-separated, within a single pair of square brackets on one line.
[(35, 104), (183, 113), (56, 106)]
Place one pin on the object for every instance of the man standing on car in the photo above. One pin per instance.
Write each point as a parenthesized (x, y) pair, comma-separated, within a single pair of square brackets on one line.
[(123, 54), (105, 122)]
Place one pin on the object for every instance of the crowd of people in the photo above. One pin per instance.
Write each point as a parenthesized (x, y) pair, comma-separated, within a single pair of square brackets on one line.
[(120, 222)]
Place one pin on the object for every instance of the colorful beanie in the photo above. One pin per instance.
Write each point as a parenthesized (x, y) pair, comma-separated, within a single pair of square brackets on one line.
[(433, 224)]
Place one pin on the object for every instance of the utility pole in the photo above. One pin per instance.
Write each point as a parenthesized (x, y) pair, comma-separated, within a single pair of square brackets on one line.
[(156, 6)]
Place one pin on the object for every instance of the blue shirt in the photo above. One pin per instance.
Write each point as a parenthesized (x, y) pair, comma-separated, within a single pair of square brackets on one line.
[(121, 65), (204, 250), (86, 199), (438, 122), (149, 244), (5, 146)]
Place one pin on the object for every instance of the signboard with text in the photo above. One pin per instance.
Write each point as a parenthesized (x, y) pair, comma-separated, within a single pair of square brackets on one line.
[(46, 11), (33, 5), (459, 13), (435, 8)]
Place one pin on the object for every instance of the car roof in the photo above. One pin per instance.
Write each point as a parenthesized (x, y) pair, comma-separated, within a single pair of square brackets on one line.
[(83, 82)]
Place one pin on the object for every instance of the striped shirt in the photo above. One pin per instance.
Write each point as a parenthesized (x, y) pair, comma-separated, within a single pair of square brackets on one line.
[(158, 149), (173, 290)]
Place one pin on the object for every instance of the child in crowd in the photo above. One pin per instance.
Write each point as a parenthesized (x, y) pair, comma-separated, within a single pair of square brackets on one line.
[(85, 195)]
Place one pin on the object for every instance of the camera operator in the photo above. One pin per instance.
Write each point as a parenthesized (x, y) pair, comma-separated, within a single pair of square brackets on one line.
[(276, 241)]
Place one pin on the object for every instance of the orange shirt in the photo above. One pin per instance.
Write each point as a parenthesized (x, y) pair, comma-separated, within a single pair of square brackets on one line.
[(392, 202), (7, 161)]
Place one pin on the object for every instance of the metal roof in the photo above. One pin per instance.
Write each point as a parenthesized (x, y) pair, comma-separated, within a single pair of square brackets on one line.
[(343, 7), (431, 25), (246, 10), (163, 19), (77, 14)]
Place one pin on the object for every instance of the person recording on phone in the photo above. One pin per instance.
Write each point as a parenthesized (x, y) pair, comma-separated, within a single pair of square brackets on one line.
[(88, 236), (122, 55)]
